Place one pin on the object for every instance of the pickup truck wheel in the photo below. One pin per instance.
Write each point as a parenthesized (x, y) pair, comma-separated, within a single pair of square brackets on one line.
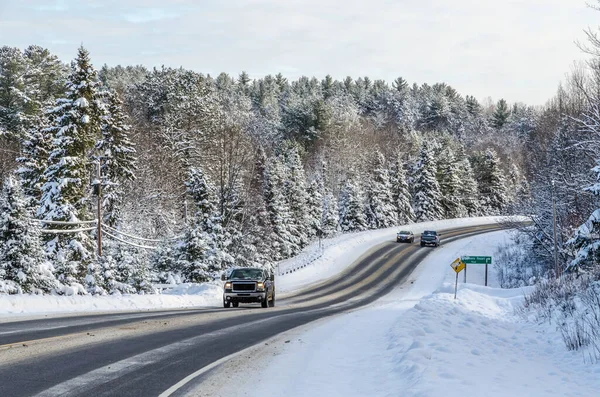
[(422, 245), (235, 304), (272, 302), (226, 305), (265, 302)]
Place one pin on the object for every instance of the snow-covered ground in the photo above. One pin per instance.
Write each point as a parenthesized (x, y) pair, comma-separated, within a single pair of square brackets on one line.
[(419, 341), (183, 296), (317, 262)]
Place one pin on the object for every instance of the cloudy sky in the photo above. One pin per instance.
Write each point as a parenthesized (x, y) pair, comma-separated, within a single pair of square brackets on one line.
[(514, 49)]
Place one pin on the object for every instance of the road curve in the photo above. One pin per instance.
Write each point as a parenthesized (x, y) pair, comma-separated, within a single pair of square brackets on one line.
[(175, 344)]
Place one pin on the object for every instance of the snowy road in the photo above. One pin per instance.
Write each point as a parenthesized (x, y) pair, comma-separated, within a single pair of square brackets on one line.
[(146, 355)]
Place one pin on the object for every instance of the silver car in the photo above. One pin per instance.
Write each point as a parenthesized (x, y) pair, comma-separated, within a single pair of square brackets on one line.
[(405, 237)]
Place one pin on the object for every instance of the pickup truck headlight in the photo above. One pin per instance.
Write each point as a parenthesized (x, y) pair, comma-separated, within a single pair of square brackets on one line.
[(228, 285), (260, 286)]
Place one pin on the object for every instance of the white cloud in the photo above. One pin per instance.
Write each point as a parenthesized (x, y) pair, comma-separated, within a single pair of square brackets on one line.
[(149, 15), (516, 49)]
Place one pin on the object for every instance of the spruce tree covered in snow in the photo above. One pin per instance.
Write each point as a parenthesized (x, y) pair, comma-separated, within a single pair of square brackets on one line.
[(585, 241), (329, 206), (125, 270), (255, 249), (491, 183), (352, 206), (117, 158), (448, 176), (314, 204), (76, 125), (295, 192), (193, 257), (23, 263), (285, 242), (12, 87), (202, 249), (36, 144), (427, 195), (381, 211), (501, 114), (45, 77), (401, 194), (469, 192), (164, 261)]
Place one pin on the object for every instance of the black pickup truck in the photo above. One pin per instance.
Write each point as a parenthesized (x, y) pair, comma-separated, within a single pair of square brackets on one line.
[(430, 237), (249, 285)]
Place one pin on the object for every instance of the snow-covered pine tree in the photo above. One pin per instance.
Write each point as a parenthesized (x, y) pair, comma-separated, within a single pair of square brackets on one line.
[(116, 154), (426, 188), (108, 266), (251, 246), (352, 206), (501, 114), (314, 203), (448, 176), (23, 263), (202, 249), (132, 273), (193, 256), (329, 210), (469, 192), (381, 211), (45, 77), (12, 86), (164, 261), (36, 144), (492, 184), (400, 193), (75, 129), (285, 243), (295, 192)]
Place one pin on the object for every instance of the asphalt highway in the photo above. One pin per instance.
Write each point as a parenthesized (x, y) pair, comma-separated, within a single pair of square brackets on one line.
[(165, 352)]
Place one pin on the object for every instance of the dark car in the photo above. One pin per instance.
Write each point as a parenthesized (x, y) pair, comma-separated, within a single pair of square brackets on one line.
[(249, 285), (405, 236), (430, 237)]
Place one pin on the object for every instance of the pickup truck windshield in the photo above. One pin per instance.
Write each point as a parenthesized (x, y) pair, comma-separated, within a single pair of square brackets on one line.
[(246, 274), (429, 233)]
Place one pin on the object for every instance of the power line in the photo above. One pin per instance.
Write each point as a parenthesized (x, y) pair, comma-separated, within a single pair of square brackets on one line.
[(63, 222), (139, 238), (129, 243), (61, 231)]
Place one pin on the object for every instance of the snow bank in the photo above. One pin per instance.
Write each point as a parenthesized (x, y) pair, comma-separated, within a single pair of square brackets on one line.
[(183, 296)]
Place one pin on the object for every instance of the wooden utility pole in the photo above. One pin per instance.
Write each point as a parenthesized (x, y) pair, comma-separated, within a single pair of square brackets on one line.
[(99, 214)]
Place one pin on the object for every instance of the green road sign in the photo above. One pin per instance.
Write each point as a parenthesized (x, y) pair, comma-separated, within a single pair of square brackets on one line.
[(476, 260)]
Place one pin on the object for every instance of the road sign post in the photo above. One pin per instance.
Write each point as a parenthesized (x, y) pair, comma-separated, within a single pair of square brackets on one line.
[(455, 285), (478, 260), (457, 265)]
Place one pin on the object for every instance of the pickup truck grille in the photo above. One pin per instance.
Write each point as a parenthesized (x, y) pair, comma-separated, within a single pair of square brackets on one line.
[(244, 286)]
